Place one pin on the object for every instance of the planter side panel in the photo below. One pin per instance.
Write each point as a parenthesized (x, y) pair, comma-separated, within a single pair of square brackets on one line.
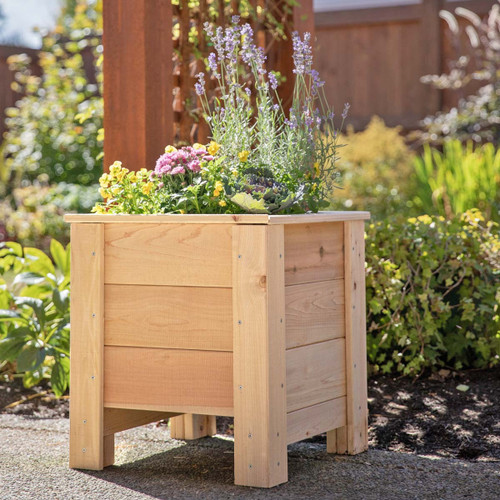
[(315, 329)]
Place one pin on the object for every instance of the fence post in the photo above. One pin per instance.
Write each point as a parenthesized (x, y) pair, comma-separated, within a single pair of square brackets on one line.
[(138, 114), (430, 25)]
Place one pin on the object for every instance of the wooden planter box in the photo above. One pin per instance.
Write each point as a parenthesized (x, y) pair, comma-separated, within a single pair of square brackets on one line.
[(191, 316)]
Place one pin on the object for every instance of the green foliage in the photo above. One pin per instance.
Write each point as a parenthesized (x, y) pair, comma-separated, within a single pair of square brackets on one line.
[(54, 131), (458, 179), (376, 168), (33, 215), (34, 314), (433, 294)]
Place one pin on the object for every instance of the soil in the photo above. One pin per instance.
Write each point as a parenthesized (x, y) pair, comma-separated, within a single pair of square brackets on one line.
[(454, 415)]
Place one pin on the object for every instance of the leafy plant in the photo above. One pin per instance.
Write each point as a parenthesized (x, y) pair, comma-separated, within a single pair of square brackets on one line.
[(433, 294), (458, 179), (376, 171), (54, 132), (34, 313), (33, 215)]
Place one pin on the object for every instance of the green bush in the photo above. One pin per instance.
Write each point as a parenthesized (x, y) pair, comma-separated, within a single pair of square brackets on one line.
[(34, 314), (459, 178), (376, 167), (33, 215), (54, 132), (433, 294)]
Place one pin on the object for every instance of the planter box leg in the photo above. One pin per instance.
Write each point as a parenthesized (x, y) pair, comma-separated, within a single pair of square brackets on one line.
[(89, 449), (192, 426), (260, 452), (353, 438)]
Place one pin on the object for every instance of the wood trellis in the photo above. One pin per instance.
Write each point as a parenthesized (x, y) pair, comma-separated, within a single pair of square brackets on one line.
[(149, 75)]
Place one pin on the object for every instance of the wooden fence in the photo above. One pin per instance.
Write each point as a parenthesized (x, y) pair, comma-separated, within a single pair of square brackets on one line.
[(374, 59)]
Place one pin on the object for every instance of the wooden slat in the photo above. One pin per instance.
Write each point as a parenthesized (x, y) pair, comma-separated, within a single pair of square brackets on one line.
[(118, 419), (314, 420), (314, 312), (190, 427), (87, 344), (313, 252), (259, 356), (353, 438), (168, 254), (162, 407), (315, 373), (219, 219), (169, 317), (170, 377)]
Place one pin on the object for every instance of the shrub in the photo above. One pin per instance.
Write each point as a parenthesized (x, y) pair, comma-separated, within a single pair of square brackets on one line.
[(34, 314), (33, 215), (54, 131), (433, 294), (458, 179), (376, 167)]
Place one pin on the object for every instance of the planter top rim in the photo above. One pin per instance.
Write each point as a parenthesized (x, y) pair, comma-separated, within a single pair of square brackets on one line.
[(219, 219)]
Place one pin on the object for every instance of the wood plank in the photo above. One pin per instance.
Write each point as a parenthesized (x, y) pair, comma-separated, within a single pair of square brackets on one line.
[(119, 419), (190, 427), (138, 112), (161, 407), (338, 216), (315, 373), (259, 356), (168, 254), (314, 420), (373, 15), (314, 252), (172, 377), (353, 438), (87, 344), (314, 312), (169, 317)]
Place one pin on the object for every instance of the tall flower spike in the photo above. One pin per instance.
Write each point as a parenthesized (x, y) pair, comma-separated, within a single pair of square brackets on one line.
[(302, 53)]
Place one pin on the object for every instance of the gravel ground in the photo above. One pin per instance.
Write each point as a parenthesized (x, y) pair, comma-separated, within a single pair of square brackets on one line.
[(34, 457)]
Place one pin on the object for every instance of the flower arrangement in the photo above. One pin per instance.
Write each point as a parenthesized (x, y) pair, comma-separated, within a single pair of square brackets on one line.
[(260, 160)]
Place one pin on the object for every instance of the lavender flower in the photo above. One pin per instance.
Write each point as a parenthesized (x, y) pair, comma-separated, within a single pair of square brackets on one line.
[(273, 81), (200, 86), (212, 64), (302, 53)]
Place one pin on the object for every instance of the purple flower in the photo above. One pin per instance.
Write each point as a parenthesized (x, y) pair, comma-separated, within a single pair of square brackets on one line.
[(302, 53), (200, 86), (177, 170), (194, 166), (273, 81), (212, 64), (163, 164), (235, 19), (248, 92)]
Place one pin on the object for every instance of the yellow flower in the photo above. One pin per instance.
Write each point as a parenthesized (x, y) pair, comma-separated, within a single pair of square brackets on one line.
[(132, 177), (234, 172), (219, 186), (182, 211), (243, 156), (213, 147), (316, 169), (146, 188), (104, 180), (115, 168), (216, 192), (99, 209), (197, 145), (104, 193), (116, 190), (170, 149), (222, 203)]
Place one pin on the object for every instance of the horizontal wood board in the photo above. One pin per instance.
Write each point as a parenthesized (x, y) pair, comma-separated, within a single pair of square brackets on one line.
[(315, 373), (168, 316), (314, 312), (144, 378)]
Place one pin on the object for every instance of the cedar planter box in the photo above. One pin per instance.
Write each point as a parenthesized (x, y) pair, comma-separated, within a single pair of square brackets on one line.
[(191, 316)]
